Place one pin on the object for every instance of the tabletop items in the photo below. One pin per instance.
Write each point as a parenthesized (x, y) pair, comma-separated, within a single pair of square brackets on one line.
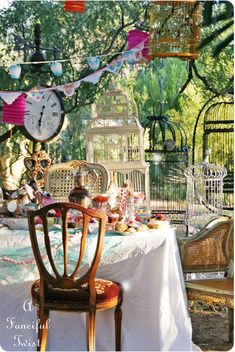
[(125, 209)]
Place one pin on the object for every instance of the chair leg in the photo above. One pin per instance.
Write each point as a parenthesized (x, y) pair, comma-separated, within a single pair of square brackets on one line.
[(91, 327), (230, 324), (43, 316), (118, 324)]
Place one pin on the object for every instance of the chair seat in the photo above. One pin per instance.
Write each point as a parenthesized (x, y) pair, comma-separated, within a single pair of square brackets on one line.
[(213, 291), (107, 293)]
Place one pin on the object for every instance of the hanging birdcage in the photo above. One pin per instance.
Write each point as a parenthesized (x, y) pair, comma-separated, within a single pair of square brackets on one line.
[(175, 29), (166, 150), (204, 192)]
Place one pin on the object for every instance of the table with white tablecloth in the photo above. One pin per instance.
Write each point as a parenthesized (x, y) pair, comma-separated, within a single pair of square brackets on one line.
[(155, 315)]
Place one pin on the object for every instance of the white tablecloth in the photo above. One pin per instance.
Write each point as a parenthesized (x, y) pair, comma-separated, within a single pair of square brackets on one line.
[(155, 315)]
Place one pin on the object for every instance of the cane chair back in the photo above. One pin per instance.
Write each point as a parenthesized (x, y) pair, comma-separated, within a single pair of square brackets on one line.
[(68, 281), (212, 250), (59, 179), (209, 250)]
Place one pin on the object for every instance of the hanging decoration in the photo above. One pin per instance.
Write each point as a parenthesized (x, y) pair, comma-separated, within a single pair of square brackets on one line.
[(93, 78), (9, 97), (56, 68), (15, 71), (37, 96), (175, 29), (139, 39), (74, 6), (115, 67), (69, 88), (94, 62), (14, 113), (133, 56)]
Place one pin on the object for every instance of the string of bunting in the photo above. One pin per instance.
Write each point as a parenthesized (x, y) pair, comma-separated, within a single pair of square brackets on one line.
[(137, 52)]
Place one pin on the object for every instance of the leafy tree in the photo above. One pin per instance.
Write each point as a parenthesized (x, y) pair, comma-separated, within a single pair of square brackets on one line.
[(218, 25)]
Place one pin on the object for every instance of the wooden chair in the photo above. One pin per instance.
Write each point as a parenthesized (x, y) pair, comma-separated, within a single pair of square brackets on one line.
[(59, 179), (211, 250), (65, 290)]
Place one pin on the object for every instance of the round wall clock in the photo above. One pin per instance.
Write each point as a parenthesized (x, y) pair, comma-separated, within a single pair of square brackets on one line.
[(43, 119)]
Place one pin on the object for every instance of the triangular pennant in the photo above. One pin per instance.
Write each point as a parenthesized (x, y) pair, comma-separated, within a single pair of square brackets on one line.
[(36, 95), (68, 89), (93, 78), (115, 66), (10, 97)]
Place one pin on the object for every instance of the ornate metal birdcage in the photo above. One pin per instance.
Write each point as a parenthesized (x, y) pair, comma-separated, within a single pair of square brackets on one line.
[(166, 151), (115, 139), (217, 123), (204, 192), (175, 29)]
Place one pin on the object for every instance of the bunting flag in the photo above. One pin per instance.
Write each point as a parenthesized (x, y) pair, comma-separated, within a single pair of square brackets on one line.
[(136, 51), (36, 95), (94, 77), (68, 89), (115, 66), (9, 97)]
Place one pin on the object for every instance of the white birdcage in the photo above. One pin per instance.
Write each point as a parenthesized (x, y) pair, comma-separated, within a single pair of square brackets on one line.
[(204, 192), (115, 139)]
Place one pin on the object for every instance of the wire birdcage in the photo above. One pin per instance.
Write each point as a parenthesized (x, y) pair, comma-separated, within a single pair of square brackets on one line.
[(204, 192), (175, 29), (166, 151)]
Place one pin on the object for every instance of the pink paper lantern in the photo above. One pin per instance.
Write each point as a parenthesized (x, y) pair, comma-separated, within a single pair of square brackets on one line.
[(14, 113), (135, 37)]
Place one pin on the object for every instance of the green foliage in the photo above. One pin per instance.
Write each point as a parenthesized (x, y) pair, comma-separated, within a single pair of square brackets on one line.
[(156, 86), (218, 23)]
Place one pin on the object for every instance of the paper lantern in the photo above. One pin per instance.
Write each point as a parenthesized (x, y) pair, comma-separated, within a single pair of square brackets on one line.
[(14, 113), (94, 63), (74, 6), (135, 37), (175, 29), (15, 71), (56, 68)]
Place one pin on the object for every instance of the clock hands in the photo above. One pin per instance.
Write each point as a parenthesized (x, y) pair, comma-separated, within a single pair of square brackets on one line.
[(40, 119)]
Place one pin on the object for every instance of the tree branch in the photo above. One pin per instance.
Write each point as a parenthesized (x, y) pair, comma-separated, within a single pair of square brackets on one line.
[(204, 80), (190, 76), (9, 133)]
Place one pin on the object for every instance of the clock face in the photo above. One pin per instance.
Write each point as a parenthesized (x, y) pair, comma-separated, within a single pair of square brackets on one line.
[(43, 119)]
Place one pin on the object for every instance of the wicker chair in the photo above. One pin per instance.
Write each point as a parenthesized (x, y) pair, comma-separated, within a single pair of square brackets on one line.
[(211, 251), (59, 179)]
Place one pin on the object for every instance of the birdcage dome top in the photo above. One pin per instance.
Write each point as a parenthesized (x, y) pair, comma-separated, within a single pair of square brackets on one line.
[(206, 170), (164, 134), (114, 110)]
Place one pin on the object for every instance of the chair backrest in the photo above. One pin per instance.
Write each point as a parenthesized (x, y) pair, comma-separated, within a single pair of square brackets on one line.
[(211, 249), (59, 179), (64, 272)]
